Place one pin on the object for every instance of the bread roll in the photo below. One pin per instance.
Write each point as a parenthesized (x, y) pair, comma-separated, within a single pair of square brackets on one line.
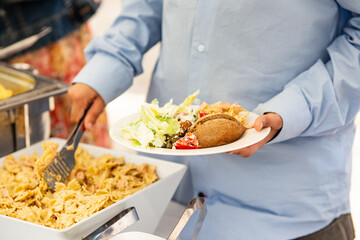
[(217, 129)]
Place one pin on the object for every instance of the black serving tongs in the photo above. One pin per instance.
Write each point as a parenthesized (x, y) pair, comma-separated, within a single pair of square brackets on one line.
[(61, 166)]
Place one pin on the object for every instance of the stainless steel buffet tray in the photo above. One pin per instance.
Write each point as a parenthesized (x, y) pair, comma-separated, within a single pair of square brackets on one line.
[(25, 116), (27, 87)]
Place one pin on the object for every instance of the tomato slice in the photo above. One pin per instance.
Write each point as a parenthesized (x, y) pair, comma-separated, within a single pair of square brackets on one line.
[(202, 114), (180, 146), (189, 141)]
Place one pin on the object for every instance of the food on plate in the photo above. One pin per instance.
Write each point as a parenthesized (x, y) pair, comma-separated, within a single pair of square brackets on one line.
[(217, 129), (94, 184), (169, 126), (5, 93), (233, 110), (189, 141)]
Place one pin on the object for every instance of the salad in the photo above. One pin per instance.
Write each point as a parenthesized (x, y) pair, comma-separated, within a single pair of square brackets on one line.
[(167, 126)]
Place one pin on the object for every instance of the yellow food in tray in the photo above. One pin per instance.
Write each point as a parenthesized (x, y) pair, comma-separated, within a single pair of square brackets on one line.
[(5, 93), (94, 184)]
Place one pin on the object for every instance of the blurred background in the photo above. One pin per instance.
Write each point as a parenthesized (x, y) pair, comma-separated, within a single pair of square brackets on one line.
[(130, 101)]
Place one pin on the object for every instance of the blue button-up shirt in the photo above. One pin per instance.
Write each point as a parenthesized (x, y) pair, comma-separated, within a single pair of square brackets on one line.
[(298, 58)]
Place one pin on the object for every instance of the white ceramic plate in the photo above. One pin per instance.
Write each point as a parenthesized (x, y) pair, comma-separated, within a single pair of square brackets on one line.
[(250, 137)]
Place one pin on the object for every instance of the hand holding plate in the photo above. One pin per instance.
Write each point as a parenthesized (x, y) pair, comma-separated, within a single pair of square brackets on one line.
[(272, 120)]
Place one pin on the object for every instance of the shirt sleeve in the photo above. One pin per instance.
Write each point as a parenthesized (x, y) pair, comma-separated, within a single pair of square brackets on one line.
[(326, 97), (115, 58)]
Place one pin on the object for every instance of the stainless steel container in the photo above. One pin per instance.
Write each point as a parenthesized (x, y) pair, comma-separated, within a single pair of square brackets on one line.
[(25, 117)]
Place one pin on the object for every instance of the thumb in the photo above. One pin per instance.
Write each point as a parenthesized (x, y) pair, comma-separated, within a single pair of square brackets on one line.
[(260, 122), (272, 120), (95, 110)]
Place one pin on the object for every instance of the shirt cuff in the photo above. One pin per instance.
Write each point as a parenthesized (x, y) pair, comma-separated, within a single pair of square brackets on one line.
[(107, 75), (292, 107)]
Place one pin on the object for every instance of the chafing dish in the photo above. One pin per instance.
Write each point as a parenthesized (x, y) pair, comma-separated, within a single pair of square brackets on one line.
[(25, 117), (150, 202)]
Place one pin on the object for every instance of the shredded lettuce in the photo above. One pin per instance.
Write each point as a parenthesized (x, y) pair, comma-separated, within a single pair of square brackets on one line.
[(139, 132), (154, 122), (184, 106)]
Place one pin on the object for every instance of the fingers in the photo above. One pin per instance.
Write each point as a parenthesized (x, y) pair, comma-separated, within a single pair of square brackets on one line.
[(81, 96), (77, 110), (272, 120), (248, 151), (79, 101), (95, 110)]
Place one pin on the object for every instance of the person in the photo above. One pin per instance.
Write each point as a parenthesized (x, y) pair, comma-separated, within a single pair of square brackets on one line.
[(296, 63), (57, 54)]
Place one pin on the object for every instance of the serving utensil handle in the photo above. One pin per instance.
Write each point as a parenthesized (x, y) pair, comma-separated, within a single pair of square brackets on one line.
[(77, 132), (23, 44), (194, 205), (115, 225)]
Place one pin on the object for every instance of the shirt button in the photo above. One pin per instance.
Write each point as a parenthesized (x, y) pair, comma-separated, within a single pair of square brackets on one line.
[(201, 48)]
